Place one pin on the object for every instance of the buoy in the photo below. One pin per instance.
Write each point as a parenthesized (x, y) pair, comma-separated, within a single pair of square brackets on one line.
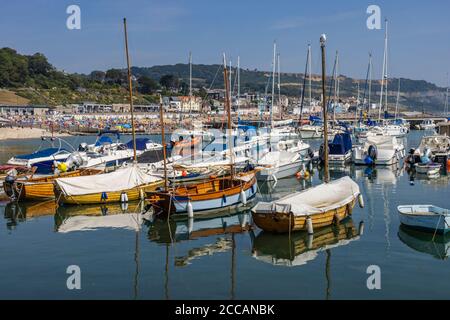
[(123, 197), (190, 209), (309, 243), (104, 196), (243, 197), (361, 228), (448, 165), (309, 225), (184, 173), (361, 200), (190, 225)]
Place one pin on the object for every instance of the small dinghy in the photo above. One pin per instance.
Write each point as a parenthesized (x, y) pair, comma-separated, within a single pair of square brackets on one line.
[(428, 168), (426, 217)]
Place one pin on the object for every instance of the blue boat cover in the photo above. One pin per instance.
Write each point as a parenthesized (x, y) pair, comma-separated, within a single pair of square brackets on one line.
[(341, 144), (39, 154), (103, 140), (140, 144)]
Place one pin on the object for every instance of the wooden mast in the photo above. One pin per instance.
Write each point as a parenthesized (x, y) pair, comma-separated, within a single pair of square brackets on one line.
[(130, 87), (324, 110), (163, 141), (228, 108)]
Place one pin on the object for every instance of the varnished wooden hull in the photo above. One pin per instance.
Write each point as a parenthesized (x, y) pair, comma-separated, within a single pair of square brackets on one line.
[(215, 194), (278, 222), (40, 189), (133, 194)]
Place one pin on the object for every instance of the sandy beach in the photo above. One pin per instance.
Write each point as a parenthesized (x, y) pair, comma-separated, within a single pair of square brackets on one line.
[(26, 133)]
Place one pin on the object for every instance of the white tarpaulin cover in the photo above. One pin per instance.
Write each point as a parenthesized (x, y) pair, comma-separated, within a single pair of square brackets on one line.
[(121, 179), (322, 198)]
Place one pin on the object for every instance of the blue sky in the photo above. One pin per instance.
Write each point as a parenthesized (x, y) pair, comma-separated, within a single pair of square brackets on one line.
[(163, 32)]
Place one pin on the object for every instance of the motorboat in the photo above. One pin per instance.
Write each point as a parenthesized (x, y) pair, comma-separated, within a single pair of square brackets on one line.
[(378, 150)]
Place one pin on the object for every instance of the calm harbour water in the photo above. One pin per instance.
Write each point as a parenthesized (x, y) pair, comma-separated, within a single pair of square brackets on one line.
[(162, 261)]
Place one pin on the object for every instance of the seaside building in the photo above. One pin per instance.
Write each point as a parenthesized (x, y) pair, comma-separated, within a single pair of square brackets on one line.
[(23, 110)]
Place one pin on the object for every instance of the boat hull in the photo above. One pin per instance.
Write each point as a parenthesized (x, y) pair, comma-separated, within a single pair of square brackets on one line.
[(285, 171), (208, 198), (40, 189), (280, 222), (431, 223)]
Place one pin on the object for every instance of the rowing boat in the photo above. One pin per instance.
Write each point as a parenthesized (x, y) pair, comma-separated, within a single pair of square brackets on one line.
[(316, 207), (39, 189), (217, 193)]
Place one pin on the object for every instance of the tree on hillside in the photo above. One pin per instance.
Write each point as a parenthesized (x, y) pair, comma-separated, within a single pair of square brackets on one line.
[(147, 85), (169, 81), (116, 76), (38, 64), (98, 76)]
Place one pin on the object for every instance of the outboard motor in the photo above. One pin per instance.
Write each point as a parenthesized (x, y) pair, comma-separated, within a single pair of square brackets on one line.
[(10, 179)]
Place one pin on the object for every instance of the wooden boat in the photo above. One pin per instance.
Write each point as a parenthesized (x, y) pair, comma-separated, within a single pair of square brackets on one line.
[(322, 205), (201, 198), (426, 217), (123, 185), (38, 189)]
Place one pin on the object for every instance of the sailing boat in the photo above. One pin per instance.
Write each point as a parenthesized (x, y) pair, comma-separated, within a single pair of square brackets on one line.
[(317, 207), (123, 185), (213, 194)]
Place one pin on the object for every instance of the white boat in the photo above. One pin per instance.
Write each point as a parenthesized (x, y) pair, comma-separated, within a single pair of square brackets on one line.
[(295, 146), (109, 155), (430, 169), (278, 165), (427, 217), (43, 158), (311, 131), (438, 147), (379, 150), (427, 124)]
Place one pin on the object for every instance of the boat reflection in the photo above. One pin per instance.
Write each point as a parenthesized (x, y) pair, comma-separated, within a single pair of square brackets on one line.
[(16, 212), (92, 217), (299, 248), (173, 230), (435, 245), (378, 175)]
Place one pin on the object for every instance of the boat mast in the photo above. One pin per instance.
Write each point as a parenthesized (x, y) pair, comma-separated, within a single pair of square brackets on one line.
[(384, 73), (304, 84), (163, 141), (238, 86), (190, 75), (398, 98), (446, 99), (273, 82), (357, 103), (130, 87), (228, 108), (336, 85), (279, 87), (324, 110), (310, 75), (370, 85)]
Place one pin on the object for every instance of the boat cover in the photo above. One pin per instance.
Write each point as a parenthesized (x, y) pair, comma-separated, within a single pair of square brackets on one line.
[(39, 154), (122, 179), (319, 199)]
